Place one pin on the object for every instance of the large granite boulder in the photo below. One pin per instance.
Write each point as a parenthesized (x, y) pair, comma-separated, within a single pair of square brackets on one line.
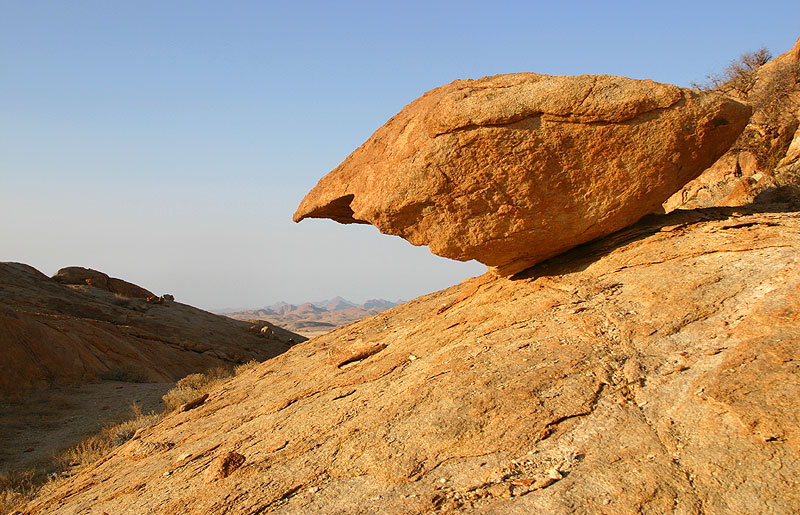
[(77, 275), (513, 169)]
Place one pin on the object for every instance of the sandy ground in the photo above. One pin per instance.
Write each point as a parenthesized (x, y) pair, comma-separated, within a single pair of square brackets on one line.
[(312, 332), (35, 427)]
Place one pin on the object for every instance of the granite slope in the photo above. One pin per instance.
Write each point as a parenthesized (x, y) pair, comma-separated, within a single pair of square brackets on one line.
[(651, 371)]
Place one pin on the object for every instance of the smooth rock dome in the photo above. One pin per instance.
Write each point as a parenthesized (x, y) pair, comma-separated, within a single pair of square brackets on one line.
[(513, 169)]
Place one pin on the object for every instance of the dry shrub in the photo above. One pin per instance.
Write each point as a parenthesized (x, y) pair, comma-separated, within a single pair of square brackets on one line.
[(125, 374), (740, 75), (774, 96), (17, 488), (96, 447), (84, 453), (193, 386), (121, 301), (244, 367), (120, 433)]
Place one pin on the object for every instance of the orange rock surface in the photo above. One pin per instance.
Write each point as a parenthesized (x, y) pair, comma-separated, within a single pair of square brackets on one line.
[(513, 169), (651, 371)]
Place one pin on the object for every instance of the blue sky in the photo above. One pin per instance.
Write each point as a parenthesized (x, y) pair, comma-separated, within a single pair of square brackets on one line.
[(168, 143)]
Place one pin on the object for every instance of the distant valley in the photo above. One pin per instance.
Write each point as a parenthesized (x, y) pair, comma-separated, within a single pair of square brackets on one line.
[(314, 318)]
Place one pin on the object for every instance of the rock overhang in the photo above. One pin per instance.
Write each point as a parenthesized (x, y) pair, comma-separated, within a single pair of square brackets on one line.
[(513, 169)]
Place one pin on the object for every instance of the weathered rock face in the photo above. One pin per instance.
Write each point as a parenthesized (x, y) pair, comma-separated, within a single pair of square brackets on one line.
[(653, 371), (52, 333), (766, 157), (79, 275), (513, 169)]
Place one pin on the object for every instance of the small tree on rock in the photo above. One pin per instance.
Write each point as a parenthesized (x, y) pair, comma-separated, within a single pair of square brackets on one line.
[(740, 75)]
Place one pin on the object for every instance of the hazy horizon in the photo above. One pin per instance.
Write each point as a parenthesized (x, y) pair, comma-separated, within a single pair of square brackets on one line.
[(315, 302), (169, 143)]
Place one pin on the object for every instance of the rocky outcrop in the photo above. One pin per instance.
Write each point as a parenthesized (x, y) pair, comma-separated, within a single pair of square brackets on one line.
[(652, 371), (91, 277), (764, 160), (56, 333), (513, 169)]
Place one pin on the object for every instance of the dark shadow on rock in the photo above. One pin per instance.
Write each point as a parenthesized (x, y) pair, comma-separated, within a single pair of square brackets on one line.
[(579, 258)]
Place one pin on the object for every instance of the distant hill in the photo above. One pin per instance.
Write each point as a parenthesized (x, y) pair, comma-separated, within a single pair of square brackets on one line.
[(335, 304), (314, 318), (82, 325)]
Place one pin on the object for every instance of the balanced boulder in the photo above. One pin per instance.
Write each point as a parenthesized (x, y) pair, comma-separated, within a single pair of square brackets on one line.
[(513, 169)]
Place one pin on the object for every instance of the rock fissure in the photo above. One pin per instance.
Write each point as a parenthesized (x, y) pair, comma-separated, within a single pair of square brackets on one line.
[(548, 429), (698, 254), (499, 124)]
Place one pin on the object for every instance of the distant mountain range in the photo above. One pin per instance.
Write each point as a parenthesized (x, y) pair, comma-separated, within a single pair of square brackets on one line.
[(314, 318)]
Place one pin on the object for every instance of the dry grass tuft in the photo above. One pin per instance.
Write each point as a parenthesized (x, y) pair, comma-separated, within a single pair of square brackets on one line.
[(193, 386), (86, 452), (244, 367), (125, 374), (19, 487), (98, 446)]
